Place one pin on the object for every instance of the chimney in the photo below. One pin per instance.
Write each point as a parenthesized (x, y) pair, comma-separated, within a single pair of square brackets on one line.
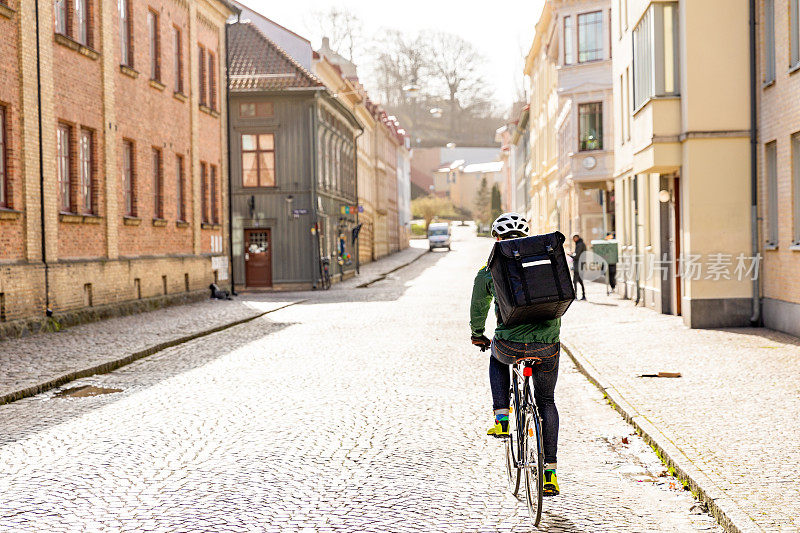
[(326, 44)]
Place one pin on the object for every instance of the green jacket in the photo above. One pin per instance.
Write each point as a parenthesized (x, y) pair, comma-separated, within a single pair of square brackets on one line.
[(482, 293)]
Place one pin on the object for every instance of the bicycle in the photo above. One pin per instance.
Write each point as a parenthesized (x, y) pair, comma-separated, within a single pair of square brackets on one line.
[(524, 450), (324, 267)]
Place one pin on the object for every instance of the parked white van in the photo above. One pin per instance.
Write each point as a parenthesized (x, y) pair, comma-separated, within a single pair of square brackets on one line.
[(439, 235)]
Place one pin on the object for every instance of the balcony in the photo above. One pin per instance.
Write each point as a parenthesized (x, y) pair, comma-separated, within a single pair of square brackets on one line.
[(655, 129)]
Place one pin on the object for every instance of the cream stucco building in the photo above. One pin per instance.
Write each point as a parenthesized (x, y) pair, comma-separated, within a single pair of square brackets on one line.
[(571, 127), (682, 158)]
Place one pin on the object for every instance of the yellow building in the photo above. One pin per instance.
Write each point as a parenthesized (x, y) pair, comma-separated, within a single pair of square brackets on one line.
[(571, 126), (339, 75), (682, 158), (540, 67)]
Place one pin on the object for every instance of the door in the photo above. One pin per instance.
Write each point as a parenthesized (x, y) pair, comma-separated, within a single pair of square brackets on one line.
[(258, 257)]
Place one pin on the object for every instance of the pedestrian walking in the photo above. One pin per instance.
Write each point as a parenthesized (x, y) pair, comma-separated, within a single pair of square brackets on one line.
[(612, 269), (580, 249)]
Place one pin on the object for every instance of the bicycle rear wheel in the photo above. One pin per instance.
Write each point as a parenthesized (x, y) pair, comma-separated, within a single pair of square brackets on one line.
[(533, 458), (512, 470)]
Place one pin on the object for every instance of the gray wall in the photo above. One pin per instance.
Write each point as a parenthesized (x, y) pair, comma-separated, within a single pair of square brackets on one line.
[(293, 252)]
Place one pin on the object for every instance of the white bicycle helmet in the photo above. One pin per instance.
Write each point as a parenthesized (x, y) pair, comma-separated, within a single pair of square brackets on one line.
[(509, 226)]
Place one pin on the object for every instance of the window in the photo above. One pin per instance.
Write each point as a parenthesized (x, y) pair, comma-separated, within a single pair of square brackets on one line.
[(4, 192), (256, 109), (569, 41), (590, 126), (213, 188), (590, 36), (129, 178), (258, 160), (204, 191), (628, 109), (794, 30), (64, 167), (61, 14), (212, 82), (655, 53), (622, 109), (796, 186), (769, 41), (771, 172), (125, 32), (201, 57), (82, 21), (158, 184), (155, 45), (180, 213), (86, 167), (176, 40)]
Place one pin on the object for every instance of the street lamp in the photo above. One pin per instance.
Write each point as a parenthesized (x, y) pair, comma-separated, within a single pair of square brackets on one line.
[(436, 112)]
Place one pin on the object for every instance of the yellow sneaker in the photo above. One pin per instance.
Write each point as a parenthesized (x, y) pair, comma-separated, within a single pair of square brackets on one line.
[(499, 430), (550, 483)]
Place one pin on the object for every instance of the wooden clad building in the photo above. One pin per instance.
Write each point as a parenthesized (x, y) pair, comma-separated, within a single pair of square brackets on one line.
[(293, 169)]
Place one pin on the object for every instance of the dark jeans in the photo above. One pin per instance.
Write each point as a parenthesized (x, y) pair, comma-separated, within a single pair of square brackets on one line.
[(576, 278), (545, 376), (612, 276)]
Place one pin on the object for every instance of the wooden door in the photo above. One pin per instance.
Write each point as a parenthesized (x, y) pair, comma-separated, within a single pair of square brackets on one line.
[(258, 257)]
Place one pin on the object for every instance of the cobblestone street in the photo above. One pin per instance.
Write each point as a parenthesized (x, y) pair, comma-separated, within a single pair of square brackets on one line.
[(359, 409)]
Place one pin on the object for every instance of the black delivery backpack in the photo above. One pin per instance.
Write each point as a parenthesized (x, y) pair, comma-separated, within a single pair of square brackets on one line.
[(531, 278)]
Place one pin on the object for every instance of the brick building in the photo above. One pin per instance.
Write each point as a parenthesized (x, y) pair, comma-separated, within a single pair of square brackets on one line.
[(779, 136), (113, 161)]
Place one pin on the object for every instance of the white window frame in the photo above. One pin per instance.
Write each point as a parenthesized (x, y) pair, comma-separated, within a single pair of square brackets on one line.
[(82, 21), (597, 52), (769, 41), (656, 71), (570, 57), (60, 13), (794, 33), (126, 57), (796, 189), (85, 164)]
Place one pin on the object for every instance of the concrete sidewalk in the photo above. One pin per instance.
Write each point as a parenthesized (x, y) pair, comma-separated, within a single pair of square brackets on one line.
[(33, 364), (729, 425)]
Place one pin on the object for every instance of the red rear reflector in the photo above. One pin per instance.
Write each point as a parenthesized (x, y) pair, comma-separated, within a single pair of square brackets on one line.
[(527, 371)]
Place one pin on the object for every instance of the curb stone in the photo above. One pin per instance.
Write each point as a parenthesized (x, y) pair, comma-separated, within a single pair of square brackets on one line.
[(110, 366), (729, 515), (383, 275)]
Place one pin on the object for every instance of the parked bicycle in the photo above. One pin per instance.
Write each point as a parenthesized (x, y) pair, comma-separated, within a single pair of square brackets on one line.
[(324, 268), (523, 446)]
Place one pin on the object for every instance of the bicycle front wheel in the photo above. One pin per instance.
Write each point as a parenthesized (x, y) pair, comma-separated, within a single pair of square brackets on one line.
[(533, 459)]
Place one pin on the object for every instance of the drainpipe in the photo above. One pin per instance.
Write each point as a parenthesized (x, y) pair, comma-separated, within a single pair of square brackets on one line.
[(357, 243), (228, 137), (755, 318), (48, 311), (317, 266), (636, 235)]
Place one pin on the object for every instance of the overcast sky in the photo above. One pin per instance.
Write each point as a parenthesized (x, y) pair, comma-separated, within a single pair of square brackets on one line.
[(499, 30)]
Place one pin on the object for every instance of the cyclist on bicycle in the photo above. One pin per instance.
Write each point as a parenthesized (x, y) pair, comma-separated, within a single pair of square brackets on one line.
[(535, 340)]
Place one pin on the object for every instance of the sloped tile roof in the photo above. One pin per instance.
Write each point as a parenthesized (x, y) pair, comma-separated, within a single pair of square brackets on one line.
[(258, 64)]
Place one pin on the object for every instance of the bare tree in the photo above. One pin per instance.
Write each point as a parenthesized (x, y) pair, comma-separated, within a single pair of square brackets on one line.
[(342, 27), (399, 61), (456, 65)]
